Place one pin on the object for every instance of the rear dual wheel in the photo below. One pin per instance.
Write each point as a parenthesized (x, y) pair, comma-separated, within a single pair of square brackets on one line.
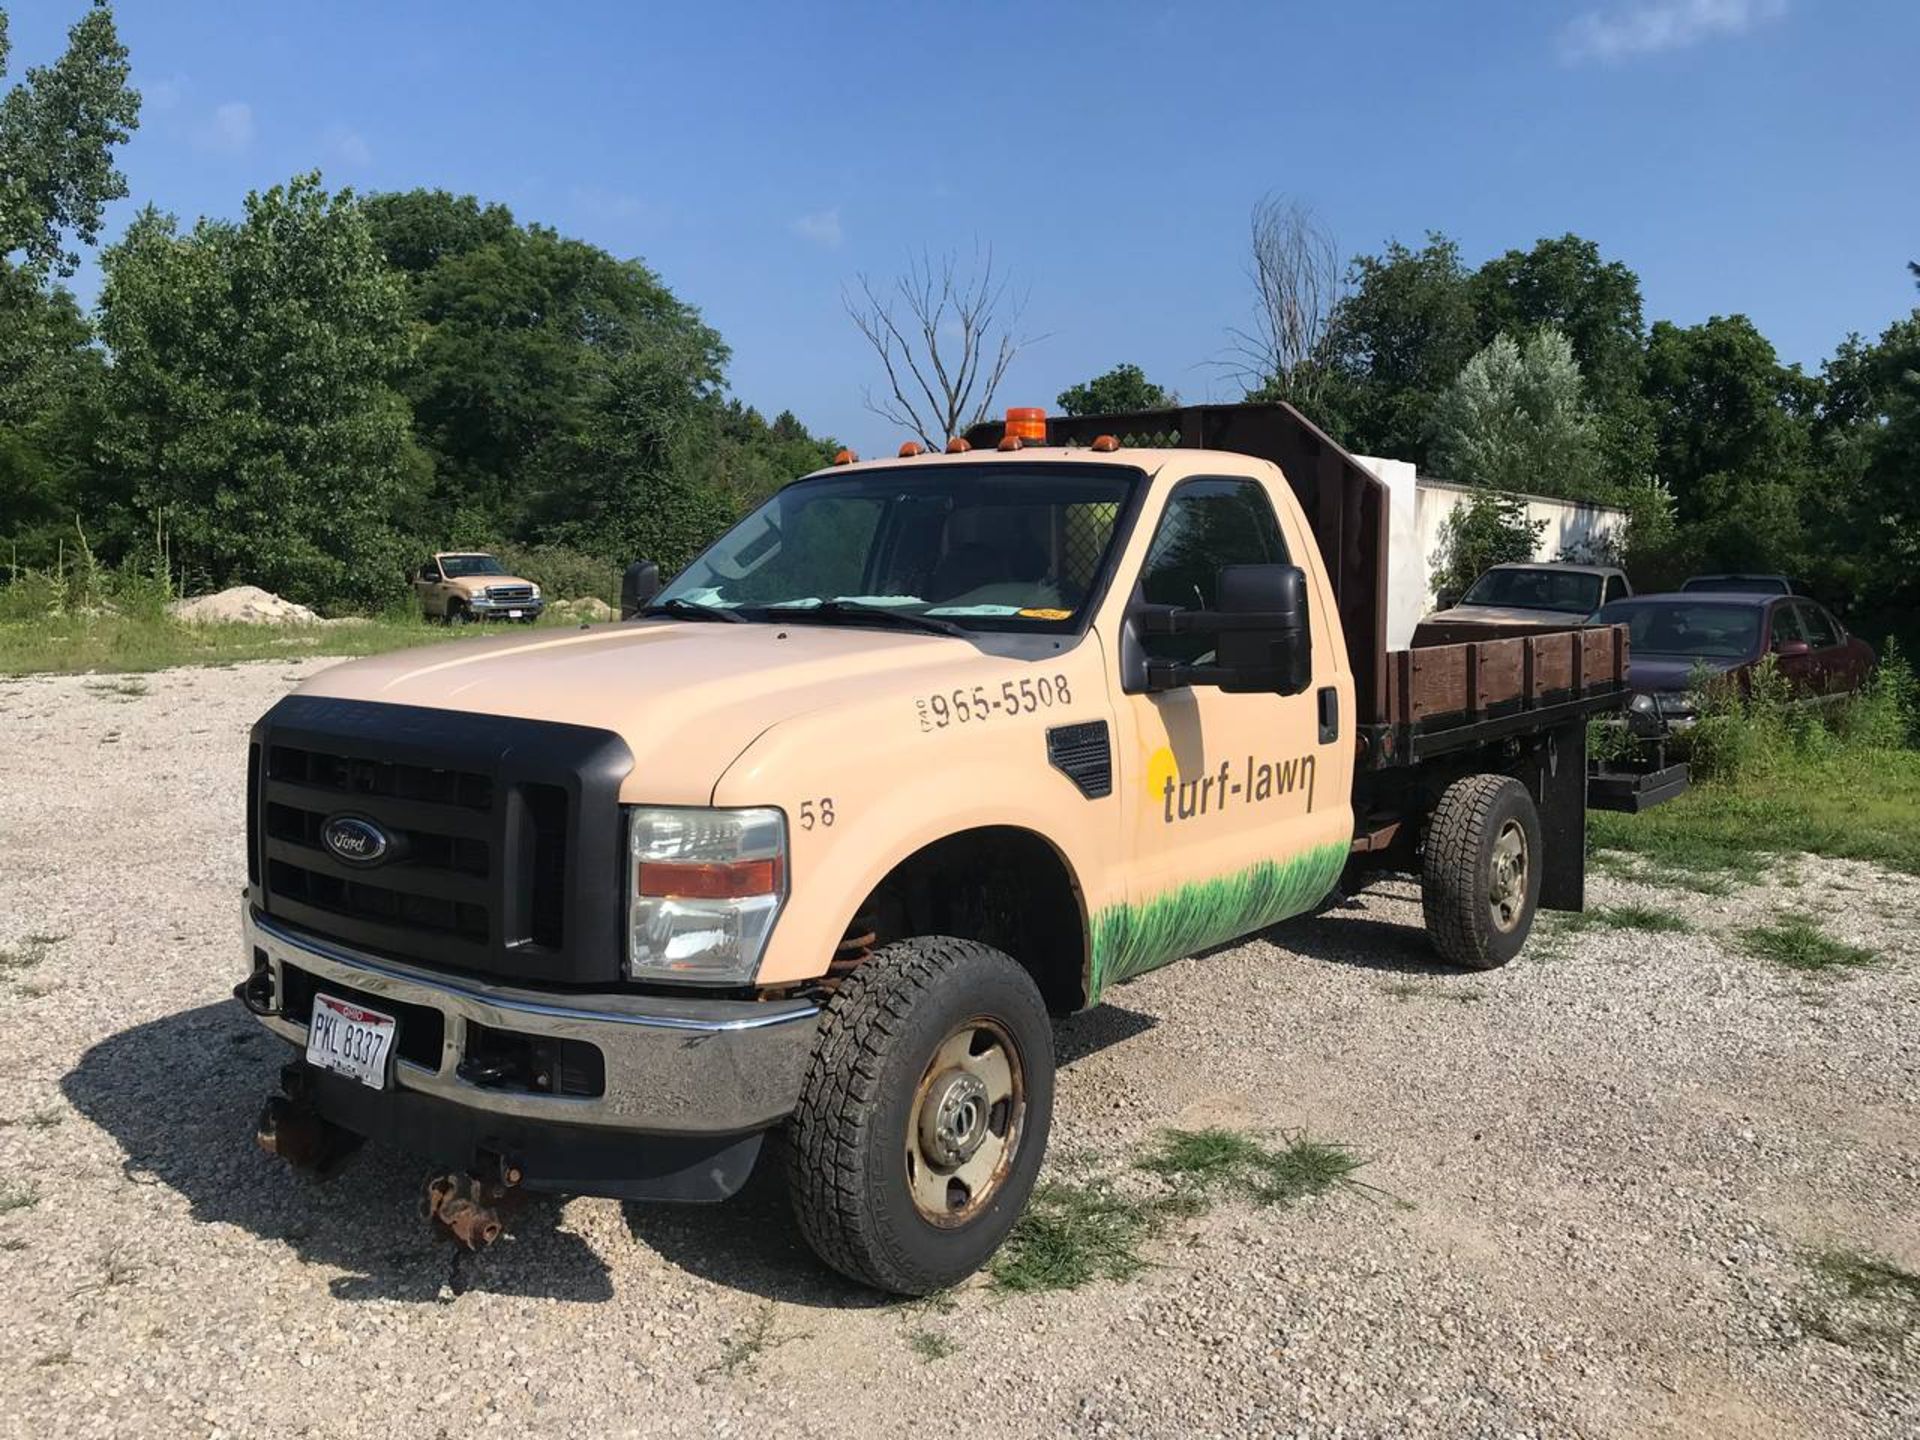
[(924, 1117)]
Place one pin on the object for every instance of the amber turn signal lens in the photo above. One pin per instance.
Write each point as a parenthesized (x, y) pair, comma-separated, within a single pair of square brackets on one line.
[(957, 446), (1027, 422), (845, 457), (909, 450), (1105, 444), (692, 881)]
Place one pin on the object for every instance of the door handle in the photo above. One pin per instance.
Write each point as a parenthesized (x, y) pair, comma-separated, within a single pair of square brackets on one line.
[(1329, 714)]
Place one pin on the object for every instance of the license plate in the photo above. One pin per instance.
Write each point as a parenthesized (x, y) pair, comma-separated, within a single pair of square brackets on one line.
[(515, 614), (349, 1040)]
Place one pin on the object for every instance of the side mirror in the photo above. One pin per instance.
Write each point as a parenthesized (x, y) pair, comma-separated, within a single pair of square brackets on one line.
[(1792, 647), (638, 586), (1446, 599), (1262, 643)]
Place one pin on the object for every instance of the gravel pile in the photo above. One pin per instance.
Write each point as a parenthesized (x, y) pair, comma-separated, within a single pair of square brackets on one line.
[(243, 604), (1599, 1180)]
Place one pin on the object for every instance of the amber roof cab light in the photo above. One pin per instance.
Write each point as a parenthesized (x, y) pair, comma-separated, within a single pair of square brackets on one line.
[(957, 446), (1027, 424), (845, 457), (909, 450)]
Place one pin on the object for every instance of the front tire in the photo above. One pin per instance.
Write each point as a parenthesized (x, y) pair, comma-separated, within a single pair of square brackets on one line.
[(924, 1116), (1480, 871), (456, 614)]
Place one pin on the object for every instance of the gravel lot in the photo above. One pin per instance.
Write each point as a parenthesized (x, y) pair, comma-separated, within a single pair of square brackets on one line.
[(1601, 1175)]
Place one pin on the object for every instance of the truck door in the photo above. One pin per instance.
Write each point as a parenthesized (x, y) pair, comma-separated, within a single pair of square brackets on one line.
[(1238, 806)]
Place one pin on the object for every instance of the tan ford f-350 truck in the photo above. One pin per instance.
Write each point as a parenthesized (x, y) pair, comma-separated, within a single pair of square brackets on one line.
[(459, 586), (920, 753)]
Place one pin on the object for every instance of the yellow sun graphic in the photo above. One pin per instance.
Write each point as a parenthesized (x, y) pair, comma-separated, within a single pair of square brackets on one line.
[(1161, 767)]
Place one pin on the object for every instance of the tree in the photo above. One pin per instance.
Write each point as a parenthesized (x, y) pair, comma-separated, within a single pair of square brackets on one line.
[(252, 398), (58, 130), (522, 333), (1733, 441), (1400, 336), (1295, 270), (1516, 419), (1122, 389), (748, 458), (945, 340), (1564, 283), (1490, 529)]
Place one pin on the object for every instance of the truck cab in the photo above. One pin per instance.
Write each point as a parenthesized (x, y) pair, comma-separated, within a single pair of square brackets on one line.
[(921, 752)]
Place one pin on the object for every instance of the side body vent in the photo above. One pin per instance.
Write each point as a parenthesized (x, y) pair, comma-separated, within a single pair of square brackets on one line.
[(1082, 754)]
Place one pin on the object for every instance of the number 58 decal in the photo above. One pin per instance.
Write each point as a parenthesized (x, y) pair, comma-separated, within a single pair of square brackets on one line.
[(816, 812)]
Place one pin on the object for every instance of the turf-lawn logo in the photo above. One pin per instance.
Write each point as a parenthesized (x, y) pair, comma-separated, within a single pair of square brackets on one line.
[(1251, 782)]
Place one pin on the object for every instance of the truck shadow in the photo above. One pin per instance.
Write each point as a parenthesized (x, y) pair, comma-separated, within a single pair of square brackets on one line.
[(180, 1096), (1345, 934), (753, 1244)]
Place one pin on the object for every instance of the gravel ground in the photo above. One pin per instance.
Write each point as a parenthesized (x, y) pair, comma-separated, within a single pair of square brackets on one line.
[(1600, 1175)]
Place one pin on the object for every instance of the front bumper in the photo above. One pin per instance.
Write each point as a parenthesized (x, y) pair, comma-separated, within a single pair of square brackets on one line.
[(672, 1066), (481, 608)]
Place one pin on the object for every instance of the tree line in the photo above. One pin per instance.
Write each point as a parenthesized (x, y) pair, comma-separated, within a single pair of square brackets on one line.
[(1536, 371), (310, 396)]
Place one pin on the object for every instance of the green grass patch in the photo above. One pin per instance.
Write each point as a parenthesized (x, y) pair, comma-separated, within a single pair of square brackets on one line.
[(930, 1345), (1861, 1301), (1072, 1235), (120, 644), (1797, 943), (1626, 917), (1405, 990), (1211, 1162), (17, 1195)]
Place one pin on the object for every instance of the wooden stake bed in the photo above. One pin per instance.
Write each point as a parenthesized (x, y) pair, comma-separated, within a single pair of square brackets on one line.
[(1444, 697)]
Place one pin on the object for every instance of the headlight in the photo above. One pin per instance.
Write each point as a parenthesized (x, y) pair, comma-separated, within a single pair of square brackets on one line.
[(706, 888), (536, 592)]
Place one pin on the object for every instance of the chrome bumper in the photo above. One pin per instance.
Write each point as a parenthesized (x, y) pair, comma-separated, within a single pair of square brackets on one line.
[(676, 1066)]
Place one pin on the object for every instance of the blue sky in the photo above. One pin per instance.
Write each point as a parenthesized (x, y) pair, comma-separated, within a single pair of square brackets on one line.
[(1741, 155)]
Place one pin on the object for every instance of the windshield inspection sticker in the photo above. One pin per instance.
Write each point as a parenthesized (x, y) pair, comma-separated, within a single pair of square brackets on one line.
[(1014, 697), (1033, 613)]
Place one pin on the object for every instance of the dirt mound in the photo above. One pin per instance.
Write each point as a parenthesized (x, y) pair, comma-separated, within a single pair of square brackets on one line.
[(246, 604), (588, 609)]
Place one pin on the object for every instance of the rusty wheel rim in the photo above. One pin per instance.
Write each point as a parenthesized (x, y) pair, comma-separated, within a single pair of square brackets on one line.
[(1507, 877), (965, 1126)]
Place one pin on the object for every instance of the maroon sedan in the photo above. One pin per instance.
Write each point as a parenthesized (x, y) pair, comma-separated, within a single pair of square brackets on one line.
[(1670, 636)]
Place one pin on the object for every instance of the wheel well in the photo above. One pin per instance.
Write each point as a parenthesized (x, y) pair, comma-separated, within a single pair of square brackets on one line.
[(999, 885)]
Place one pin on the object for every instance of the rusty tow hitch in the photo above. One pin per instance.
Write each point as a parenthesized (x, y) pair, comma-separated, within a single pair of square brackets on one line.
[(471, 1209), (300, 1135)]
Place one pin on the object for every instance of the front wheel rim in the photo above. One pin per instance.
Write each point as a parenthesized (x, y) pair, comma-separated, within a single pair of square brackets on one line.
[(1507, 877), (965, 1127)]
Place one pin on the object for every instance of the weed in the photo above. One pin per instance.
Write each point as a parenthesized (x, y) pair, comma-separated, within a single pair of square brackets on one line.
[(62, 1356), (1072, 1235), (130, 688), (743, 1351), (1861, 1301), (1405, 990), (1208, 1161), (35, 989), (1798, 944), (1628, 917), (930, 1345), (13, 1243), (17, 1195)]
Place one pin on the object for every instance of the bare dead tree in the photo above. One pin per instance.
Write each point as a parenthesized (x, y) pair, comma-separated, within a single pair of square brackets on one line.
[(1295, 270), (944, 338)]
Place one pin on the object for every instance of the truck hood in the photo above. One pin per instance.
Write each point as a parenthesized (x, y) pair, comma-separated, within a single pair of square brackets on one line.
[(1668, 674), (687, 697)]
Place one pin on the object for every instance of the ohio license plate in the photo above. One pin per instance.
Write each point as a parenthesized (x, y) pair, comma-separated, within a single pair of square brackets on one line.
[(349, 1040)]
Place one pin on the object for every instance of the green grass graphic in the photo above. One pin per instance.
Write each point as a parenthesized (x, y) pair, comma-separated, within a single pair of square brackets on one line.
[(1130, 939)]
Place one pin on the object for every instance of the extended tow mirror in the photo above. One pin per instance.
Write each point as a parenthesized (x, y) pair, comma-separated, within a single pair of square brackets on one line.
[(1261, 640), (638, 586)]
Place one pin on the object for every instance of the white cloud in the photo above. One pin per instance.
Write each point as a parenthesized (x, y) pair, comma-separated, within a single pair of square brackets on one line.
[(1661, 25), (229, 131), (822, 228), (347, 148), (157, 97)]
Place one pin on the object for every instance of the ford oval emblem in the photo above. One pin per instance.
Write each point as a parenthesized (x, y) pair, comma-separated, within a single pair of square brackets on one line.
[(356, 841)]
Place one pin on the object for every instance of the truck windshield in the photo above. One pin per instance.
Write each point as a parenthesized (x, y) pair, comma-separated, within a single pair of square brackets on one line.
[(1707, 630), (986, 547), (1576, 592), (456, 567)]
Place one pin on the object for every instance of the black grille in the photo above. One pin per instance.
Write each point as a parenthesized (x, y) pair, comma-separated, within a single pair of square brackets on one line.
[(504, 843), (1082, 754)]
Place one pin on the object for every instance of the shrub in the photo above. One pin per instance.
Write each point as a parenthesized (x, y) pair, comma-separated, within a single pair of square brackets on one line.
[(1490, 529), (563, 573)]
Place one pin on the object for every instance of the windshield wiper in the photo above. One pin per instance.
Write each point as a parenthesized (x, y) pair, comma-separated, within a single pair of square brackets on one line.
[(831, 610), (692, 610)]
